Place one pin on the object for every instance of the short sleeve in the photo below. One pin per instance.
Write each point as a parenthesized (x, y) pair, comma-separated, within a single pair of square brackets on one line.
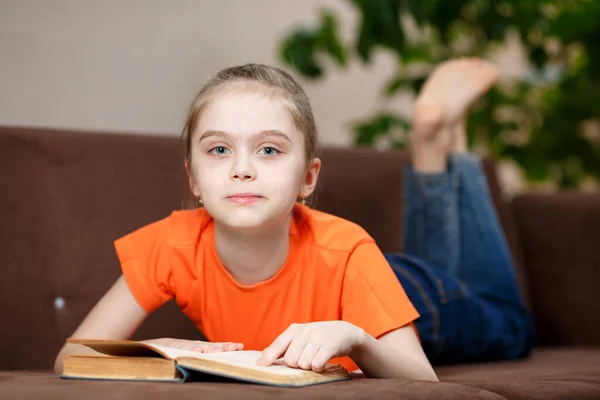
[(372, 297), (144, 258)]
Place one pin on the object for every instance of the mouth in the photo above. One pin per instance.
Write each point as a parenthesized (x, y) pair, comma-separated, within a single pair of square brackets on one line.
[(244, 198)]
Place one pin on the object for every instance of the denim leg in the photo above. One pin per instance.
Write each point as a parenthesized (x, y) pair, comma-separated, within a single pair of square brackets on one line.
[(431, 218), (485, 262), (456, 253)]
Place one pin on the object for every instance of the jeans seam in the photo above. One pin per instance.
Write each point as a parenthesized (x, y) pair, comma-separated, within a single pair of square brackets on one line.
[(441, 291), (464, 289), (428, 303), (442, 296)]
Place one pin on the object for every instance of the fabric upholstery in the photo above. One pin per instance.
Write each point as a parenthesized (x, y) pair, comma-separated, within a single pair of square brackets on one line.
[(66, 196), (560, 239), (550, 373)]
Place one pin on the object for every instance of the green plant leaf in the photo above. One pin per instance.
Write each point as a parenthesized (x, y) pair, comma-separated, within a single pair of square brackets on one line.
[(421, 10), (380, 27), (417, 84), (538, 56), (298, 51), (397, 83), (328, 37), (534, 164), (367, 132)]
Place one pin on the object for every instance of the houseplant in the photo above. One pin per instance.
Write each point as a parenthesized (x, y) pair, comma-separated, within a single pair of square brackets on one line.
[(547, 121)]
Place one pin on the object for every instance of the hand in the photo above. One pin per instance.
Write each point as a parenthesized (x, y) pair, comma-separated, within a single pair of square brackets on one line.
[(311, 346), (197, 345)]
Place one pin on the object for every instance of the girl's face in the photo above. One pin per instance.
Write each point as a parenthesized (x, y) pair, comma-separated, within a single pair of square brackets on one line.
[(248, 161)]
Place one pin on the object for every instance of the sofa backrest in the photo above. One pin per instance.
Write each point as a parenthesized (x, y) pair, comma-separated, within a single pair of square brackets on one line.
[(560, 238), (65, 196)]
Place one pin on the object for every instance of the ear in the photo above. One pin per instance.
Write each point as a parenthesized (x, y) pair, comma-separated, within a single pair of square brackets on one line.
[(309, 183), (193, 186)]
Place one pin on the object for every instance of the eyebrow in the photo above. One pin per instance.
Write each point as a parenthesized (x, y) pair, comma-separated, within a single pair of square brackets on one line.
[(259, 135)]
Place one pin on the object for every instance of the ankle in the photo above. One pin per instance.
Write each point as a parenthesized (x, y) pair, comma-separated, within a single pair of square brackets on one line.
[(460, 137), (436, 166), (429, 160), (430, 152)]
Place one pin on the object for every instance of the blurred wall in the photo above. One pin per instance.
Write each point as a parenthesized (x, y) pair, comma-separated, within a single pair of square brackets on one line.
[(134, 65)]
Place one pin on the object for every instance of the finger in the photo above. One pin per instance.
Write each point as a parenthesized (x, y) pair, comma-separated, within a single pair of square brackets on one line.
[(321, 359), (213, 349), (277, 348), (230, 346), (207, 347), (307, 355), (292, 354), (218, 347), (184, 345)]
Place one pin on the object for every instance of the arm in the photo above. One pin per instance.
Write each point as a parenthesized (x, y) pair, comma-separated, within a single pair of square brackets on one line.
[(373, 305), (374, 301), (397, 354), (116, 316)]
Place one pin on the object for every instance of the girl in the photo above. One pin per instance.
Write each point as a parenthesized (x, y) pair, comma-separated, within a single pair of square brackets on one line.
[(254, 268)]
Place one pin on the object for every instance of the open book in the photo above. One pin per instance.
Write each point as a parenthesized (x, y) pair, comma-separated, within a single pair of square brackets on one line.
[(131, 360)]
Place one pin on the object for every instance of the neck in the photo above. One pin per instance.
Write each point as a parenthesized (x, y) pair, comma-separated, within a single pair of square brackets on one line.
[(252, 257)]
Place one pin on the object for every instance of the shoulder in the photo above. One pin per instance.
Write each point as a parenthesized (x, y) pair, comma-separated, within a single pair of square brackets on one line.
[(186, 226), (331, 232), (180, 228)]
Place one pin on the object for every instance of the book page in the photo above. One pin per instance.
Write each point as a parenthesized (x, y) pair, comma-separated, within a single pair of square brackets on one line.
[(244, 358), (123, 348)]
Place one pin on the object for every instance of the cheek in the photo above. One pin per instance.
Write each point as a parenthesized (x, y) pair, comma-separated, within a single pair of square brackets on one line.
[(287, 177), (201, 172)]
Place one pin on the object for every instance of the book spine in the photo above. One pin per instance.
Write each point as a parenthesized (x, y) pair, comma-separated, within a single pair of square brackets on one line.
[(185, 374)]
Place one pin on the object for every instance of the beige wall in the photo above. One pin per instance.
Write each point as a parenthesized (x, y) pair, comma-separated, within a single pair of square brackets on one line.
[(134, 65)]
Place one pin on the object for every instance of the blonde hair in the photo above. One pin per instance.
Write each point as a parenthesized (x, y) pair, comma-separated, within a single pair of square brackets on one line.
[(275, 81)]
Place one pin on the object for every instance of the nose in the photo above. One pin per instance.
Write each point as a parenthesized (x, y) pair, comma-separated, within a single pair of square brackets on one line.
[(242, 169)]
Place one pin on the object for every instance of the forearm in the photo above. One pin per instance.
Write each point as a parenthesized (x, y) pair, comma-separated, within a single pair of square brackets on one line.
[(379, 360), (70, 349)]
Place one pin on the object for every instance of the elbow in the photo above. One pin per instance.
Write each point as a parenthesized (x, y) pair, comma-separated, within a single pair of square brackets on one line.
[(58, 366), (432, 377), (428, 374), (58, 361)]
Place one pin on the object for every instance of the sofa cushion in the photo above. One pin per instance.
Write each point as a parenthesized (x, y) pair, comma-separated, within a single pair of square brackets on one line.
[(560, 235), (24, 385), (550, 373)]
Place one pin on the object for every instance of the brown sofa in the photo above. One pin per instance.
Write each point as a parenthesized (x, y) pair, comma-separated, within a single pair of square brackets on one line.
[(65, 196)]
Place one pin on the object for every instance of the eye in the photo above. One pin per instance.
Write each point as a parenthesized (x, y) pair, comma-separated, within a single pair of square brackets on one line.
[(269, 151), (219, 150)]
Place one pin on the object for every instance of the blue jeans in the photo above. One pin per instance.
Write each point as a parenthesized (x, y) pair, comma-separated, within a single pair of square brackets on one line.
[(456, 268)]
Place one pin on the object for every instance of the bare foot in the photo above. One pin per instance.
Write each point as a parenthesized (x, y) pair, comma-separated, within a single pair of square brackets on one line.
[(441, 107)]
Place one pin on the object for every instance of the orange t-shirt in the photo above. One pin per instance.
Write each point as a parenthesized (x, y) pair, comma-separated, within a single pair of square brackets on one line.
[(334, 271)]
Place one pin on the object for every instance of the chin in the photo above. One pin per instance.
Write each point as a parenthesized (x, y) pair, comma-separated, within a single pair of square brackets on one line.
[(238, 217), (249, 218), (239, 220)]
